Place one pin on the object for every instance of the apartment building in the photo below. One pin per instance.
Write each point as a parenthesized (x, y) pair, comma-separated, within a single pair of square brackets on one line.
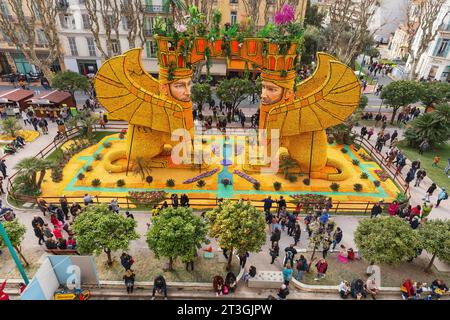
[(11, 58)]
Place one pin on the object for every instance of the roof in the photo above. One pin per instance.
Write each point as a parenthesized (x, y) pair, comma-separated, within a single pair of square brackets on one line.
[(15, 95), (50, 97)]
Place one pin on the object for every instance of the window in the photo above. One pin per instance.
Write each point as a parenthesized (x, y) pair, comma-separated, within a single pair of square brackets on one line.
[(4, 7), (110, 21), (124, 23), (442, 48), (86, 20), (233, 1), (233, 17), (115, 46), (73, 46), (68, 22), (42, 39), (150, 49), (91, 47)]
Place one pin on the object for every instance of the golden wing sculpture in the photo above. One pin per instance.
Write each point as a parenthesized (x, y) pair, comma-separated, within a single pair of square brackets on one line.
[(323, 100), (129, 93)]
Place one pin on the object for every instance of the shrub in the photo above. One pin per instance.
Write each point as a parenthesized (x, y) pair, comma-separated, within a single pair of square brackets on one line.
[(201, 183), (364, 175), (292, 178), (120, 183), (355, 162), (98, 157), (226, 181), (377, 183), (335, 186), (81, 176), (149, 179), (96, 182), (306, 182), (89, 168), (107, 145), (357, 187), (148, 197), (57, 174), (277, 185), (257, 186), (170, 183), (343, 150)]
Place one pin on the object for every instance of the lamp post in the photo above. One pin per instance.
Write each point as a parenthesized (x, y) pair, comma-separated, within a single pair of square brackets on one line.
[(379, 110), (13, 253)]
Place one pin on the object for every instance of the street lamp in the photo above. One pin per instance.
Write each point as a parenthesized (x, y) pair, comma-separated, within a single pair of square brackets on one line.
[(13, 253), (379, 110)]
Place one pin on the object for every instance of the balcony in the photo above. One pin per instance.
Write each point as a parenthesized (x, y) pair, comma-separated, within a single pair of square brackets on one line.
[(154, 9), (41, 45)]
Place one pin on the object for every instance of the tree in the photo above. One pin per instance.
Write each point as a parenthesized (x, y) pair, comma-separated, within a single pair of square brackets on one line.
[(287, 163), (31, 31), (11, 125), (99, 229), (388, 240), (16, 233), (234, 91), (177, 232), (177, 7), (31, 166), (133, 13), (432, 126), (201, 93), (316, 240), (108, 13), (421, 17), (237, 226), (434, 93), (313, 16), (313, 41), (252, 9), (71, 81), (86, 120), (435, 239), (400, 93), (141, 167)]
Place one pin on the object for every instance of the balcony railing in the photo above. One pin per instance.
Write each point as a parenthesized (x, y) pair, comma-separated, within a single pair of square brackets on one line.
[(154, 9), (62, 5)]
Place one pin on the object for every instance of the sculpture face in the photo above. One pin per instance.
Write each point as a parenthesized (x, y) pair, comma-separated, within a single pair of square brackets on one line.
[(181, 89), (271, 93)]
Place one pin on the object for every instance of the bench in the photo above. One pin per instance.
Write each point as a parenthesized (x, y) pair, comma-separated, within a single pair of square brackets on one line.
[(62, 252), (266, 279)]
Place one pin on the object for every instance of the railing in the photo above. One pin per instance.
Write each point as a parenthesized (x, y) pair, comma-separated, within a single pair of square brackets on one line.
[(210, 203), (374, 153)]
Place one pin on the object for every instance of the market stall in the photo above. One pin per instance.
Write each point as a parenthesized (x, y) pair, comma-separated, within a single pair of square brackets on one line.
[(51, 103), (14, 99)]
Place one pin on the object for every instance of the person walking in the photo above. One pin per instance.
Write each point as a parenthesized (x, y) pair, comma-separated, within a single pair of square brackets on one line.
[(268, 203), (64, 206), (243, 259), (325, 247), (447, 168), (276, 236), (443, 195), (370, 133), (290, 255), (337, 238), (430, 192), (3, 168), (126, 261), (376, 209), (297, 233), (274, 252), (287, 274), (129, 280), (302, 266), (420, 175)]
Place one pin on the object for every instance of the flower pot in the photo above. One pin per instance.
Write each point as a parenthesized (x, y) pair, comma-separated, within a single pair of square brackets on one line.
[(234, 47), (217, 48), (251, 46), (273, 48), (201, 46)]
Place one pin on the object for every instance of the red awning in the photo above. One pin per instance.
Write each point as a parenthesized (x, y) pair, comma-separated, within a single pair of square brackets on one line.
[(15, 95), (50, 97)]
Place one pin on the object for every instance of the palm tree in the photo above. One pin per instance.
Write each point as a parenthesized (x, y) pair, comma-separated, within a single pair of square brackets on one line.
[(85, 120), (430, 126), (10, 125), (174, 5), (140, 167), (31, 166), (286, 164)]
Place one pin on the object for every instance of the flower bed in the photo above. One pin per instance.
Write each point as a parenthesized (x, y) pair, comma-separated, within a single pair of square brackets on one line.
[(147, 197), (245, 176), (382, 175), (201, 176)]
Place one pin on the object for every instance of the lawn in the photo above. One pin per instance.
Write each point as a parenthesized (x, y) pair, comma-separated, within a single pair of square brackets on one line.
[(426, 159)]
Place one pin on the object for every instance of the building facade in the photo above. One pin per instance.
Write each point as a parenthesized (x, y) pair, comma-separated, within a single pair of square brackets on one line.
[(387, 17)]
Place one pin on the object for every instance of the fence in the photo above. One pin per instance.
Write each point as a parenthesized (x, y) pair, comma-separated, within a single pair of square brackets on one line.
[(204, 202)]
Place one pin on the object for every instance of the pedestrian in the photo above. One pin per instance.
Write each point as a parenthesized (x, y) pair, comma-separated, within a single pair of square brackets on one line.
[(301, 266), (292, 219), (129, 215), (283, 292), (287, 274), (393, 208), (357, 289), (324, 217), (420, 175), (322, 267), (87, 199), (126, 261), (75, 209), (370, 133), (430, 192), (297, 233), (344, 289), (174, 200), (447, 168), (436, 161), (60, 215), (337, 238), (410, 176), (276, 236), (47, 231), (274, 252), (426, 210), (325, 247), (114, 205), (3, 168), (42, 205), (231, 281), (290, 255), (218, 284), (243, 259), (376, 209), (268, 203), (39, 233), (129, 280), (443, 195), (64, 206), (423, 146)]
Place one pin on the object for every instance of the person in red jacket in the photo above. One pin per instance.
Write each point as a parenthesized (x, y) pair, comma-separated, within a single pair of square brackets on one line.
[(322, 267), (415, 212), (393, 208), (3, 295)]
